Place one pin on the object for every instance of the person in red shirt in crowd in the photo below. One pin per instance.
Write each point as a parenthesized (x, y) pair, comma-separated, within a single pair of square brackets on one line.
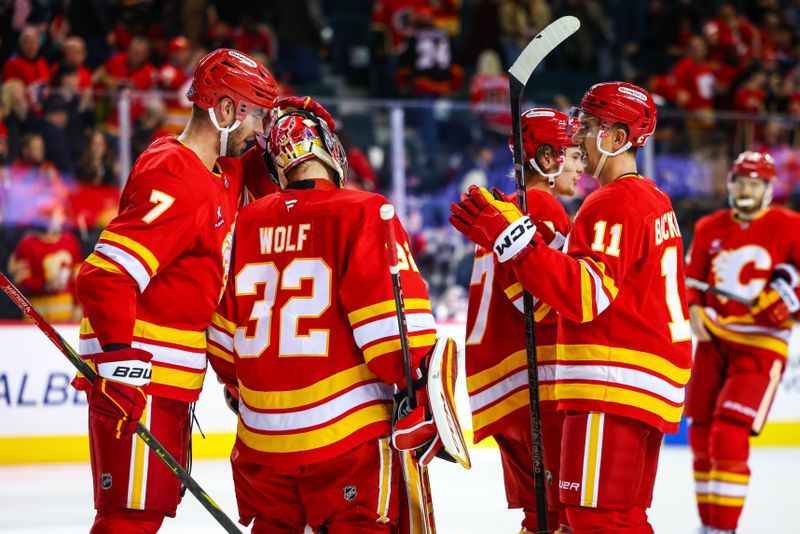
[(732, 30), (751, 95), (130, 68), (74, 56), (693, 78), (44, 264), (175, 73), (95, 199), (490, 86), (26, 65), (31, 184)]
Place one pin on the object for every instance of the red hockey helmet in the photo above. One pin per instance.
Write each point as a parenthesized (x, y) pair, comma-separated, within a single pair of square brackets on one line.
[(755, 165), (544, 126), (623, 103), (297, 136), (230, 73)]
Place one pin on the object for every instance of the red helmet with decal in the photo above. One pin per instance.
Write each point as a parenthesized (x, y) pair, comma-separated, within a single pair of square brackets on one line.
[(755, 165), (298, 136), (230, 73), (624, 103), (540, 127)]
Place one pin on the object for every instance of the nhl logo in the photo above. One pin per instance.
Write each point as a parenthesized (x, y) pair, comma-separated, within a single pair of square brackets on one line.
[(105, 481), (549, 476), (350, 493)]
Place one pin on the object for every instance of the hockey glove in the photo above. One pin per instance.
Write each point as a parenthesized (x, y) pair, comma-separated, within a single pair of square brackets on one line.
[(117, 399), (492, 222), (779, 300), (231, 398)]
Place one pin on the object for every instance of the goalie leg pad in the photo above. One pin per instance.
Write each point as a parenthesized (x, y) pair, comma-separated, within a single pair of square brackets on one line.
[(442, 375)]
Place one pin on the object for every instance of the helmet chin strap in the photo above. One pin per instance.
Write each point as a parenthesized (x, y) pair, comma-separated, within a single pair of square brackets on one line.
[(223, 132), (551, 177), (606, 154)]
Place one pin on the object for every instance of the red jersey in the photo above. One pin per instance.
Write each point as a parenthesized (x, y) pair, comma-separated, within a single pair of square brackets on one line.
[(739, 256), (624, 341), (28, 70), (308, 330), (494, 90), (142, 78), (496, 360), (158, 270), (84, 75), (44, 269), (695, 81)]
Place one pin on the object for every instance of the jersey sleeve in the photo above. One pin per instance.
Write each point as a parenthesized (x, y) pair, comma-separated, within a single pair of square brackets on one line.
[(157, 223), (256, 178), (219, 337), (366, 292), (582, 283), (697, 263)]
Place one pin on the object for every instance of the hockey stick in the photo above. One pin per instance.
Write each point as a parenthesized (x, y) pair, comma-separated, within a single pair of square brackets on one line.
[(83, 368), (387, 215), (533, 54), (705, 287)]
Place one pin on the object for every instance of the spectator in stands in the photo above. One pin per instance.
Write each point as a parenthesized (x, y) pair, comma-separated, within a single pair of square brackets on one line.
[(74, 51), (130, 68), (489, 87), (31, 184), (17, 116), (750, 96), (26, 65), (95, 200), (731, 30), (57, 142), (44, 264), (92, 21), (693, 80), (174, 74)]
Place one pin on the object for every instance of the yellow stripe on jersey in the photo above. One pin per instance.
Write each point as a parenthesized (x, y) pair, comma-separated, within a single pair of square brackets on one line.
[(414, 341), (751, 339), (288, 400), (154, 332), (138, 482), (219, 353), (501, 409), (508, 366), (541, 312), (587, 294), (720, 500), (385, 307), (513, 291), (644, 360), (319, 437), (608, 282), (142, 251), (176, 378), (224, 324), (727, 476), (102, 263), (609, 393)]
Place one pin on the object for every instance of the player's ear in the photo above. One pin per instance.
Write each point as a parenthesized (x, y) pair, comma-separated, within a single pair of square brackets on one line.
[(225, 111), (619, 136)]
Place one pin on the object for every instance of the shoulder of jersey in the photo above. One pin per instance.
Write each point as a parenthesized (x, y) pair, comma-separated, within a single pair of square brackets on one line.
[(169, 155), (351, 203)]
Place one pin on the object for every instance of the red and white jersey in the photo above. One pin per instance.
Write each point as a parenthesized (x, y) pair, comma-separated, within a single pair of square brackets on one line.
[(486, 89), (739, 256), (158, 269), (307, 329), (43, 268), (495, 356), (624, 341)]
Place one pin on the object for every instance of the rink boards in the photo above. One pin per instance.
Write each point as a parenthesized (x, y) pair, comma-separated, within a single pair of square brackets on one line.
[(42, 419)]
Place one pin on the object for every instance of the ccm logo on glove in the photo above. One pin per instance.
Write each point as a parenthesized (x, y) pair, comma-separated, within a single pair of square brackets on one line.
[(514, 238)]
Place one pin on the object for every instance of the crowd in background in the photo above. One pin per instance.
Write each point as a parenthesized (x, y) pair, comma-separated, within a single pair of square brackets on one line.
[(726, 75)]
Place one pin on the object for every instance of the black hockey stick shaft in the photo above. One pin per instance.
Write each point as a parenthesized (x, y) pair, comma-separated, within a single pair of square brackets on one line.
[(83, 368), (705, 287)]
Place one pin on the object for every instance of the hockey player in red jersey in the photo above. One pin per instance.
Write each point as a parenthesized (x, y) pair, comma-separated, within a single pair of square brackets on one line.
[(43, 265), (152, 283), (496, 364), (751, 250), (624, 340), (307, 337)]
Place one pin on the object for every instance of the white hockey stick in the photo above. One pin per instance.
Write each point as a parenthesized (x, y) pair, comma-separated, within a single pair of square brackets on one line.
[(530, 58)]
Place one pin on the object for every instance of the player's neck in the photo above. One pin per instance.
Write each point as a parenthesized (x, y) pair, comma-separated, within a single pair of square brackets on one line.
[(539, 184), (616, 167), (202, 141)]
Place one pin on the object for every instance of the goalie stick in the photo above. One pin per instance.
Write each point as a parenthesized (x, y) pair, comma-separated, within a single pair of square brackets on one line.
[(705, 287), (522, 69), (413, 471), (83, 368)]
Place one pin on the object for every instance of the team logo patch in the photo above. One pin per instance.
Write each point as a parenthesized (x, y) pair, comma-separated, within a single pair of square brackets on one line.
[(350, 493), (220, 218), (105, 481)]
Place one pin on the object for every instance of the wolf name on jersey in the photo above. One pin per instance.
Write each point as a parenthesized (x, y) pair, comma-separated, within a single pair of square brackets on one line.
[(496, 361), (739, 256), (624, 341), (307, 329), (158, 270)]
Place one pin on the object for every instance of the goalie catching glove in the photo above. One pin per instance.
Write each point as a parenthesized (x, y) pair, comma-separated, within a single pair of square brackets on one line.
[(117, 399), (780, 299), (432, 428), (489, 220)]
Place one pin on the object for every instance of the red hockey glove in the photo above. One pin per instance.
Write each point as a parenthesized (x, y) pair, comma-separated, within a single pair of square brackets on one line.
[(117, 398), (309, 104), (780, 299), (231, 398), (415, 430), (492, 223)]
